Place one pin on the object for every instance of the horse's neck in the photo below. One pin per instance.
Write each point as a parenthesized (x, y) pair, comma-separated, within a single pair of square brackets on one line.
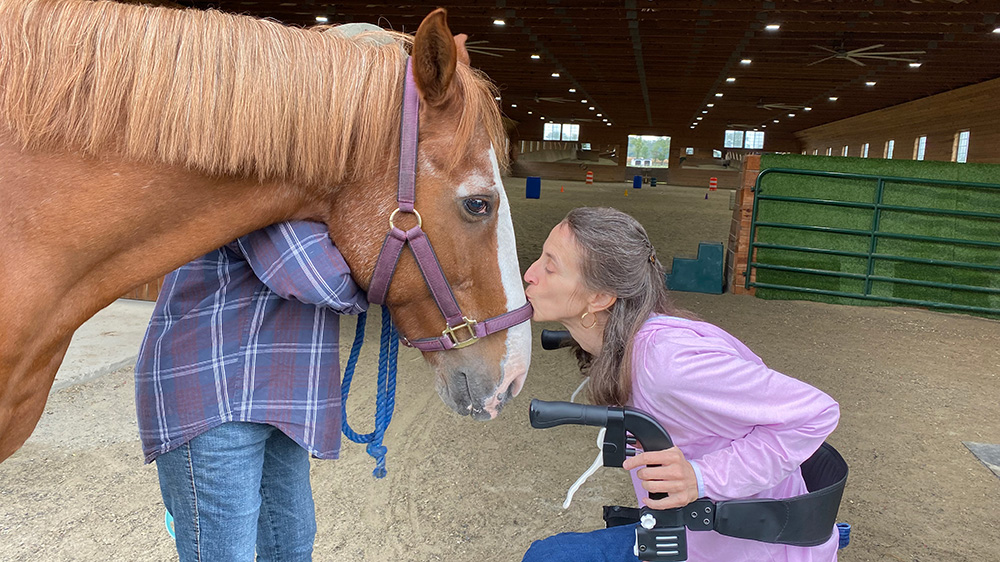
[(82, 233)]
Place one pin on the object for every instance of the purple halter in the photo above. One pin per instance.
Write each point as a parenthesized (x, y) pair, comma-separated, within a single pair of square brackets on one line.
[(461, 331)]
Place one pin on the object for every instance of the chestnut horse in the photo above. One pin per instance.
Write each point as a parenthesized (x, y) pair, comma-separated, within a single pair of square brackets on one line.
[(134, 139)]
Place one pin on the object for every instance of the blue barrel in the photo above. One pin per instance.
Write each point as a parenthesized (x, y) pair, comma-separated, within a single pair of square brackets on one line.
[(533, 188), (636, 182), (652, 182)]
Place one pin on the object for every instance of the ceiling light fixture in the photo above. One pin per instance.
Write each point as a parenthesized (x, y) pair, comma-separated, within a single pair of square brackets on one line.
[(601, 115), (791, 115), (583, 101), (699, 118), (535, 57), (704, 111), (710, 105), (499, 22), (996, 30), (915, 65), (776, 121), (807, 109), (834, 98), (870, 83), (746, 61), (730, 79), (322, 19), (572, 90), (555, 75), (719, 95), (591, 108), (513, 105), (772, 26)]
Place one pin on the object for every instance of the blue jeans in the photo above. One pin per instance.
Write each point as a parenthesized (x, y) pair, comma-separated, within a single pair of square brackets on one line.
[(603, 545), (237, 488)]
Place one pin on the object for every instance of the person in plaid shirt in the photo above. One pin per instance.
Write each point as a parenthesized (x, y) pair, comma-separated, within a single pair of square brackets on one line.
[(237, 384)]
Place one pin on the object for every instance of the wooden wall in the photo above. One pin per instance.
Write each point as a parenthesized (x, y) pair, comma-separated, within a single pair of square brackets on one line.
[(939, 117)]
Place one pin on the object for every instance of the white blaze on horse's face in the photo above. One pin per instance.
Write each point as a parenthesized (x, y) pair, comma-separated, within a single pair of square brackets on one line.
[(517, 356)]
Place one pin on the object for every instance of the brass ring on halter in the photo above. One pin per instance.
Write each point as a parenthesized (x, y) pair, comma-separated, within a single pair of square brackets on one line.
[(392, 218)]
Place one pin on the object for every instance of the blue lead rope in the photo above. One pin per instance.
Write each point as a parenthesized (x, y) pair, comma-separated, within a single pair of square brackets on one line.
[(385, 400)]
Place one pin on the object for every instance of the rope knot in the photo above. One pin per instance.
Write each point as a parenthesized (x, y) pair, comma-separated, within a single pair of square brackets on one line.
[(377, 450)]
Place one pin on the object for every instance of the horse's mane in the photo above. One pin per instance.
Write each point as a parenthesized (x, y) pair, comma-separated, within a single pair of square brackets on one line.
[(219, 93)]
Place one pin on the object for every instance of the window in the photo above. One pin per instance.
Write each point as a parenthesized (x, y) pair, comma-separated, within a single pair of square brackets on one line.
[(754, 139), (829, 151), (864, 150), (561, 131), (689, 151), (960, 150), (648, 151), (734, 139), (815, 151), (889, 146), (570, 132), (716, 154), (919, 147), (843, 151)]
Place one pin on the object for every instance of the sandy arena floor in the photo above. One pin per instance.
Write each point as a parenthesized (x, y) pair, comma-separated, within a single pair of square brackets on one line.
[(913, 385)]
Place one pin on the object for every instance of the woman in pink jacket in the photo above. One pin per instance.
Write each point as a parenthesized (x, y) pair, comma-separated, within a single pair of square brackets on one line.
[(740, 429)]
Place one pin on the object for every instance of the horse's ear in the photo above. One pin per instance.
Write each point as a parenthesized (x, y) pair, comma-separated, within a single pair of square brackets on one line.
[(435, 54), (463, 53)]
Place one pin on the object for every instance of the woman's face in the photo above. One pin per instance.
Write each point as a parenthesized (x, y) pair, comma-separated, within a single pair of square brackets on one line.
[(555, 288)]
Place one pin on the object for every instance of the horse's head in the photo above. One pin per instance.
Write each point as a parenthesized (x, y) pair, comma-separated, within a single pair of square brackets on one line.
[(465, 215)]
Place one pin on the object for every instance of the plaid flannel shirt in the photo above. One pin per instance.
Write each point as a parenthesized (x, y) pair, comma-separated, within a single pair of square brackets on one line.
[(249, 332)]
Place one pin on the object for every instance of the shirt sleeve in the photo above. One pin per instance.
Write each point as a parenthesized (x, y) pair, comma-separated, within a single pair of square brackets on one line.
[(297, 260), (773, 422)]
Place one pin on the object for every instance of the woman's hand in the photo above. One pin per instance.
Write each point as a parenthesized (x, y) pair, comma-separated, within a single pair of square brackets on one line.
[(674, 475)]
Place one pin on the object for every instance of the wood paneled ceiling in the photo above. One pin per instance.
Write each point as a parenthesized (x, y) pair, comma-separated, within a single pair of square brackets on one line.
[(653, 67)]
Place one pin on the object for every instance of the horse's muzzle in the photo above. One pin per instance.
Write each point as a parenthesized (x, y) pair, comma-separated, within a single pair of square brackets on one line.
[(473, 396)]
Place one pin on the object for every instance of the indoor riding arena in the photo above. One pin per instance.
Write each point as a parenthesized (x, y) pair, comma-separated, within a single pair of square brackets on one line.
[(819, 179)]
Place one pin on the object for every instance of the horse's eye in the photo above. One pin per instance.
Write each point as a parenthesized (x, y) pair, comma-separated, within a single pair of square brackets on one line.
[(477, 206)]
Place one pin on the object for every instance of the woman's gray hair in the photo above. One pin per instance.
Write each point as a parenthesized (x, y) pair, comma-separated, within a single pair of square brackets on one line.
[(616, 257)]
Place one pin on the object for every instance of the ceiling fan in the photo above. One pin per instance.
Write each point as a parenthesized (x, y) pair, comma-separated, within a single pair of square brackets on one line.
[(865, 53), (780, 106), (481, 48), (538, 98)]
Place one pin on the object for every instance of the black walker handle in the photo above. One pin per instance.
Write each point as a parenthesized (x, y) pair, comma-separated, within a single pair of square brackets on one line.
[(554, 339), (618, 421), (544, 415), (660, 536)]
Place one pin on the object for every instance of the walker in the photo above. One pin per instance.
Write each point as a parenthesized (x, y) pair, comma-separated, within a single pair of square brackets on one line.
[(804, 520)]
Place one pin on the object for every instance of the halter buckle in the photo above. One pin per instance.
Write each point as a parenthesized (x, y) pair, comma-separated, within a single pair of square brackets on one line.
[(469, 325)]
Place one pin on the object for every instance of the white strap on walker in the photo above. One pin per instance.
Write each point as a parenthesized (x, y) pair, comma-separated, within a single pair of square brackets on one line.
[(598, 462)]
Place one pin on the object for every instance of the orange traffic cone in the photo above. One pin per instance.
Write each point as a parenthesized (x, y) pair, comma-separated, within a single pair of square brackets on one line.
[(626, 193), (561, 190)]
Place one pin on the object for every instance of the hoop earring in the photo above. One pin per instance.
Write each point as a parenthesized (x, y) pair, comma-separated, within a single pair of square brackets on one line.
[(594, 323)]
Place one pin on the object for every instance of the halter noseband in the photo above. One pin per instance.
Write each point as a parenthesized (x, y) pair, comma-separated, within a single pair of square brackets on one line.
[(461, 331)]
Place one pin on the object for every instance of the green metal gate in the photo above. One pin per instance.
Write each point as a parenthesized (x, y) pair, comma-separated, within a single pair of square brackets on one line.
[(892, 240)]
